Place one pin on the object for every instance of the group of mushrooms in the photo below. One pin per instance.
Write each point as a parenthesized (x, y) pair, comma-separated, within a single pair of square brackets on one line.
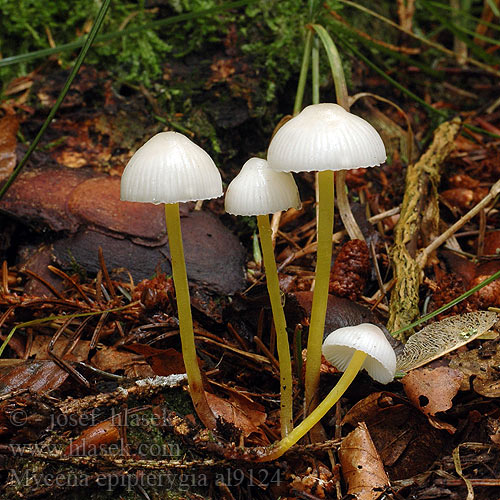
[(170, 169)]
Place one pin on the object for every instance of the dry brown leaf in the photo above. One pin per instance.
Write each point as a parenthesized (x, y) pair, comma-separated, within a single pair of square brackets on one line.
[(37, 376), (163, 362), (95, 439), (9, 126), (113, 360), (405, 440), (362, 467), (40, 345), (492, 243), (431, 390), (241, 415)]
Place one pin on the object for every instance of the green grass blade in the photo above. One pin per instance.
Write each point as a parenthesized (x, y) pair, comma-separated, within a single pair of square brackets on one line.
[(450, 304), (335, 64), (465, 14), (475, 49)]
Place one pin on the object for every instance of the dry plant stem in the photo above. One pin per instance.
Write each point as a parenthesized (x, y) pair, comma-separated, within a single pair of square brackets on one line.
[(185, 319), (273, 288), (320, 294), (419, 214), (320, 411), (345, 212), (494, 192)]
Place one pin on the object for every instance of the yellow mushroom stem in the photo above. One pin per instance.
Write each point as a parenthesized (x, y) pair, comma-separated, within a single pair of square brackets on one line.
[(185, 319), (273, 288), (319, 412), (320, 294)]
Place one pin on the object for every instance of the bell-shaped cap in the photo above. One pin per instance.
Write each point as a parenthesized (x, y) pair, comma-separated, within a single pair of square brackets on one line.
[(380, 362), (170, 168), (325, 137), (259, 190)]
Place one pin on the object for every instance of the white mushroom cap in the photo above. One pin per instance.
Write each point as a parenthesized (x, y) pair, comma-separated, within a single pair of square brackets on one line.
[(325, 137), (170, 168), (259, 190), (380, 362)]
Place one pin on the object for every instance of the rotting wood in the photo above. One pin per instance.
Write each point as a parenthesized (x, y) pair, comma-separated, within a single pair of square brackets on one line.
[(419, 216)]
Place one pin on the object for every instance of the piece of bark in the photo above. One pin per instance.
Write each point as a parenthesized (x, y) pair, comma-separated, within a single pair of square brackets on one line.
[(214, 256)]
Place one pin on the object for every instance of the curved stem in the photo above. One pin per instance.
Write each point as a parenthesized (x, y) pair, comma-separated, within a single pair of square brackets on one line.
[(345, 212), (320, 294), (273, 288), (185, 319), (313, 418)]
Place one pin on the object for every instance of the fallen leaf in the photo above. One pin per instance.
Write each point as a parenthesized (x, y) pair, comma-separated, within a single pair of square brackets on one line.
[(113, 360), (39, 348), (163, 362), (94, 440), (403, 436), (431, 390), (492, 243), (37, 376), (362, 467), (238, 414)]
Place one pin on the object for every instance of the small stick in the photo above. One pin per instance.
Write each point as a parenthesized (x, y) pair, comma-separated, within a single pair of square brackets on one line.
[(494, 191)]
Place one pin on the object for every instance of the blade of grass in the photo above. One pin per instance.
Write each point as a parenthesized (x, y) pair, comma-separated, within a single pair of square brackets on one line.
[(335, 63), (420, 38), (304, 69), (391, 80), (76, 67), (372, 44), (127, 31), (402, 88), (453, 28), (466, 15), (454, 302)]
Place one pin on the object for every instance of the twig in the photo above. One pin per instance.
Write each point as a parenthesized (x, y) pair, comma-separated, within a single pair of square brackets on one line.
[(494, 191)]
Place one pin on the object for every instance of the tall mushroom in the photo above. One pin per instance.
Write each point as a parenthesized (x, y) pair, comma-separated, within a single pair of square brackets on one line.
[(169, 169), (324, 138), (350, 349), (258, 190)]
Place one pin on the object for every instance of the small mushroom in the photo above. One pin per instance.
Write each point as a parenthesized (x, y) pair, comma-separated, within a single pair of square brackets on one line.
[(170, 168), (258, 190), (351, 349)]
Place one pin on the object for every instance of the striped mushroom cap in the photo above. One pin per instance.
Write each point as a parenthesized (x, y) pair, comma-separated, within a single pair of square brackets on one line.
[(259, 190), (325, 137), (170, 168), (380, 362)]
